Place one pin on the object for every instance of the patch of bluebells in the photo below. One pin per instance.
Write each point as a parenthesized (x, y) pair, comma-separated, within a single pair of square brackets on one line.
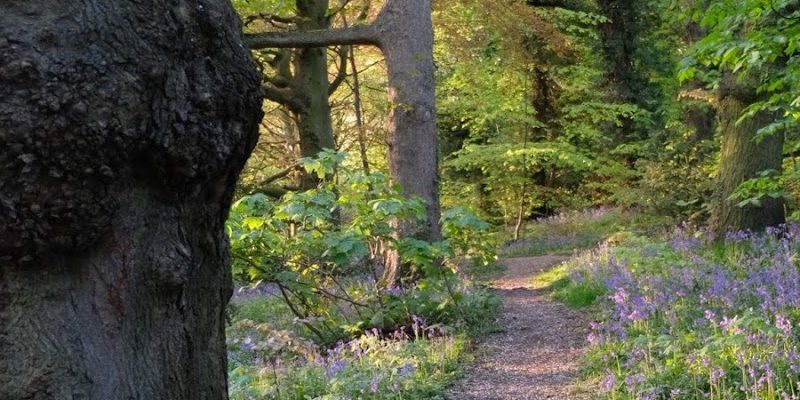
[(589, 214), (565, 231), (692, 318), (377, 365)]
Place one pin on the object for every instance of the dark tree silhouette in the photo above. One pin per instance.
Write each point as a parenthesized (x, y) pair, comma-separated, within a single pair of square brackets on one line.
[(123, 126)]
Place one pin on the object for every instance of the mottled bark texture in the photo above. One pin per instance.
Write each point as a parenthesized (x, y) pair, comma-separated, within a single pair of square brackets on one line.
[(404, 32), (407, 42), (742, 158), (123, 126)]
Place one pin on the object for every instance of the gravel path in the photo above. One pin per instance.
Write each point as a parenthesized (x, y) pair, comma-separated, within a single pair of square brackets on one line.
[(536, 355)]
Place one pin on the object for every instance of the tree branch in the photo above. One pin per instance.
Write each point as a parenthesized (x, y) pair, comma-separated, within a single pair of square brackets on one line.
[(357, 35), (283, 96), (276, 192), (279, 82), (342, 52), (271, 19), (281, 174)]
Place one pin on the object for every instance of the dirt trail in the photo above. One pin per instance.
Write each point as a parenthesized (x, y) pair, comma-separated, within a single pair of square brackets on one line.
[(536, 355)]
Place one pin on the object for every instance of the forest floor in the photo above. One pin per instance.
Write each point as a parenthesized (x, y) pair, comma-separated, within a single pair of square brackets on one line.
[(536, 353)]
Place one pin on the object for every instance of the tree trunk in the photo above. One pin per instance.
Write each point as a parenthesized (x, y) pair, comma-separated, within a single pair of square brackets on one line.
[(407, 43), (357, 107), (618, 34), (311, 87), (123, 127), (742, 158)]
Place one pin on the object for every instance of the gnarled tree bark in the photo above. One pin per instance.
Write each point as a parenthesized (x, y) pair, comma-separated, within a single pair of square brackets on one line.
[(123, 127)]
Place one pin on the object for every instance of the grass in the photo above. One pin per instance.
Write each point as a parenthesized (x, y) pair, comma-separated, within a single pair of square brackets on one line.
[(571, 232), (366, 368), (559, 283), (482, 274), (263, 310), (272, 356)]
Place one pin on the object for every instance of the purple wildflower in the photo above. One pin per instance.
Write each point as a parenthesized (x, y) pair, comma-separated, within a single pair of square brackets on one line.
[(783, 323), (374, 383), (608, 383), (407, 370)]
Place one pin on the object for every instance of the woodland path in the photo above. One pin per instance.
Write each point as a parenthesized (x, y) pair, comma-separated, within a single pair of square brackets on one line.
[(536, 354)]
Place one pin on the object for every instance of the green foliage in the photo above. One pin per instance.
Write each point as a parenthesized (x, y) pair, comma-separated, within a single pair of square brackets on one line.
[(329, 328), (324, 249), (767, 184), (541, 173), (469, 235), (256, 7)]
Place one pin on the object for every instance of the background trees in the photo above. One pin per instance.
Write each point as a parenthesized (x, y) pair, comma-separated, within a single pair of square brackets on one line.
[(550, 105), (403, 32), (656, 110)]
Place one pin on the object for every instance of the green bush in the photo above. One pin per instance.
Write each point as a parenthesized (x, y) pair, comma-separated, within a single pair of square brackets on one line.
[(333, 329), (324, 250)]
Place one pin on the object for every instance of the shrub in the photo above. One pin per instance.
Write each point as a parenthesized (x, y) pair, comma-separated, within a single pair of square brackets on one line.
[(323, 250), (332, 329)]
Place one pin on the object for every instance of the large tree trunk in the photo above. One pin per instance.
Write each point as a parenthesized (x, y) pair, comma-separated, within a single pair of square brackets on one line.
[(123, 126), (742, 158)]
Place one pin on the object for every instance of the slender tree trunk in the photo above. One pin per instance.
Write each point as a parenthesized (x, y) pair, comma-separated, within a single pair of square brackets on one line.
[(520, 218), (311, 87), (357, 105), (123, 126), (742, 158), (314, 117)]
